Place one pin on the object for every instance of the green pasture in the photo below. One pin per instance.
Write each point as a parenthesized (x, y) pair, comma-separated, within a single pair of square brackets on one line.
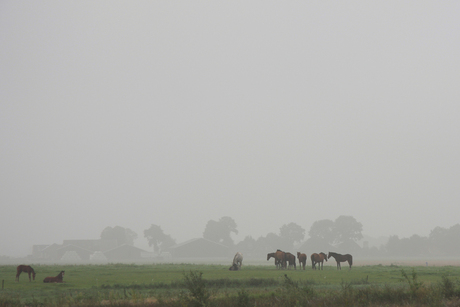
[(100, 282)]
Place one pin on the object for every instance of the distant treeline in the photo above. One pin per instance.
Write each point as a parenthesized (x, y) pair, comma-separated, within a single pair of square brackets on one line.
[(440, 242)]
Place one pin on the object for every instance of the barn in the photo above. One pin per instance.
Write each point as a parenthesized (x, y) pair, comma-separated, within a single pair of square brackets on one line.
[(199, 248), (78, 253), (124, 252)]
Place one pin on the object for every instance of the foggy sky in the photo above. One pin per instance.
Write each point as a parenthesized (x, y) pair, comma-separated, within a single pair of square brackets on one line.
[(175, 113)]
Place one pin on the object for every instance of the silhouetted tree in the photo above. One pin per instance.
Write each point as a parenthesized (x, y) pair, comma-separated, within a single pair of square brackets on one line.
[(346, 229), (275, 242), (290, 234), (221, 230), (394, 246), (322, 231), (157, 238), (416, 245), (445, 241), (413, 246), (122, 235), (247, 246)]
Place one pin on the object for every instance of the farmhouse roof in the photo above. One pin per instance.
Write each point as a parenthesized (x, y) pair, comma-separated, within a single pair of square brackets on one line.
[(191, 241), (198, 248), (51, 248), (71, 247), (125, 247)]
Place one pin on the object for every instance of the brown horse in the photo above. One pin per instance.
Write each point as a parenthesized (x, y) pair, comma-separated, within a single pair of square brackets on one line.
[(291, 259), (58, 278), (26, 269), (280, 256), (318, 258), (302, 259), (341, 258)]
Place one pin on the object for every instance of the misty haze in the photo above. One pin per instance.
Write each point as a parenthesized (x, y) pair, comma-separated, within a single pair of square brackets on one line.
[(148, 130)]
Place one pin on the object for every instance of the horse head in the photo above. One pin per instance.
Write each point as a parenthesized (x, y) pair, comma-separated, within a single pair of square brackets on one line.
[(324, 255)]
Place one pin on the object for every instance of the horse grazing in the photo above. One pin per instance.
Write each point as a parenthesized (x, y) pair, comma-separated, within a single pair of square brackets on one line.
[(302, 259), (317, 258), (26, 269), (341, 258), (237, 262), (58, 278), (291, 259)]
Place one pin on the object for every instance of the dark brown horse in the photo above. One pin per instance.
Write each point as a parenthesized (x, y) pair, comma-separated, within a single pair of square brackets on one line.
[(273, 255), (58, 278), (341, 258), (26, 269), (318, 258), (291, 259), (302, 259)]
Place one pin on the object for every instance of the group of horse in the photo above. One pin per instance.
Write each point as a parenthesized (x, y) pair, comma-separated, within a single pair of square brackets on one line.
[(29, 270), (286, 260), (283, 260)]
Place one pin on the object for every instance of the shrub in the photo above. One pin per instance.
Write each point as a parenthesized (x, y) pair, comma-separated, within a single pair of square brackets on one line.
[(243, 299), (199, 295), (296, 294), (414, 284)]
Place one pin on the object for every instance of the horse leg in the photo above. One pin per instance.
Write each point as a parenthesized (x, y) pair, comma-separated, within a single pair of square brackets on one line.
[(29, 277), (17, 276)]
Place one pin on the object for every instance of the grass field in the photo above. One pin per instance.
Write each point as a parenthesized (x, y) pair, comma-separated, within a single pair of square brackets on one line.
[(187, 284)]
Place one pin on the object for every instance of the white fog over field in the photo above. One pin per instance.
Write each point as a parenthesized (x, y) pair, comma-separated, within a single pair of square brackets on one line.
[(175, 113)]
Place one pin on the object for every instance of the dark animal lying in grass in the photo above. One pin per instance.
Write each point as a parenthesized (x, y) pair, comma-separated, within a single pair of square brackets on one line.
[(58, 278)]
